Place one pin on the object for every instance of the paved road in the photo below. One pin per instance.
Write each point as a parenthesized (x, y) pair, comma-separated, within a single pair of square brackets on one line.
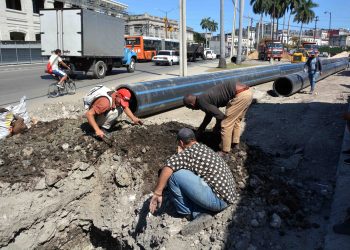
[(31, 81)]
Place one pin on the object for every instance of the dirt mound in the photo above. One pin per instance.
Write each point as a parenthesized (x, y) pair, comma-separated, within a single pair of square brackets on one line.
[(80, 192), (254, 55), (342, 54)]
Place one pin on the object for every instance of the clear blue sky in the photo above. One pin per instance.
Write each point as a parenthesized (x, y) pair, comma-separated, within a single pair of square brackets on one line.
[(198, 9)]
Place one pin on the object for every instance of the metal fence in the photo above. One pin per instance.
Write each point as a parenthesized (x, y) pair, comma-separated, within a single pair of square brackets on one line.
[(19, 52)]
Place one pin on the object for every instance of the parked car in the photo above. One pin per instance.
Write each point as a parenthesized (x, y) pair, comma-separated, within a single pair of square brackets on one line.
[(210, 54), (166, 57)]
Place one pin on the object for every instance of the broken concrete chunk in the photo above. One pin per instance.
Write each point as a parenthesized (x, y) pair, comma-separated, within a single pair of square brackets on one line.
[(52, 176), (2, 162), (122, 177), (87, 174), (65, 146), (41, 184), (80, 165), (28, 151)]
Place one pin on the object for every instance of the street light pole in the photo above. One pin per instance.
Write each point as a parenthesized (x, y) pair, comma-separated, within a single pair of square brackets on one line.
[(233, 27), (329, 30), (316, 20), (183, 39), (239, 50), (222, 60)]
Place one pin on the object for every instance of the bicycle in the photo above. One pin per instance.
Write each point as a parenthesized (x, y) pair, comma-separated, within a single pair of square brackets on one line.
[(69, 87)]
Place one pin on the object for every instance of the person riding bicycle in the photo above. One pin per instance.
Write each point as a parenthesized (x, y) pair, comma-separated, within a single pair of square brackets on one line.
[(53, 68)]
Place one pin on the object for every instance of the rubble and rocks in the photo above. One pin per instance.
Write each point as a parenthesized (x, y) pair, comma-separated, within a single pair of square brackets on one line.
[(77, 192)]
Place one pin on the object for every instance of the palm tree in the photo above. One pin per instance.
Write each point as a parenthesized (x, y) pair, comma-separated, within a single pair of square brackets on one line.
[(293, 5), (304, 14), (213, 26), (205, 24)]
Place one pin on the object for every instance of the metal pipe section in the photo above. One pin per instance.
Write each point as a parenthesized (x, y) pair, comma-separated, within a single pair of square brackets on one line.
[(293, 83), (158, 96)]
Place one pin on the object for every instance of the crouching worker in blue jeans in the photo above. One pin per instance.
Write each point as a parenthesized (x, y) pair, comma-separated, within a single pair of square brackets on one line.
[(198, 179)]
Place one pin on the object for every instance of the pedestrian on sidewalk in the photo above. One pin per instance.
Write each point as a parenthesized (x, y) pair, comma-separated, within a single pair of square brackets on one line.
[(198, 179), (236, 97), (104, 107), (314, 69)]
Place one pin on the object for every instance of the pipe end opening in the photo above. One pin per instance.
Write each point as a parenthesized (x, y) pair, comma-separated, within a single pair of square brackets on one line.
[(283, 86)]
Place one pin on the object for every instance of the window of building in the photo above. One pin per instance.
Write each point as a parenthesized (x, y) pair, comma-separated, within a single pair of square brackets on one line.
[(37, 37), (58, 5), (17, 36), (14, 4), (37, 5)]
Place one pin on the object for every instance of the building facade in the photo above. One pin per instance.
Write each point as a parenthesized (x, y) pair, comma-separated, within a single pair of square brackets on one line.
[(19, 19), (340, 41), (153, 26)]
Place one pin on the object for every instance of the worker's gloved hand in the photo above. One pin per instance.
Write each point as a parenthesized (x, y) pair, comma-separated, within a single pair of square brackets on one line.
[(100, 133)]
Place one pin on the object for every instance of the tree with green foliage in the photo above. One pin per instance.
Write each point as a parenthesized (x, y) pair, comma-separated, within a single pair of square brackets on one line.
[(198, 37), (304, 14), (205, 24)]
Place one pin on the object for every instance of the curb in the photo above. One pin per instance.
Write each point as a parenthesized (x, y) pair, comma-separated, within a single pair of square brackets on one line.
[(341, 200)]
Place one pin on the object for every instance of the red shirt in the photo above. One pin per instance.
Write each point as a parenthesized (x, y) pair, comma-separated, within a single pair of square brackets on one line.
[(102, 104)]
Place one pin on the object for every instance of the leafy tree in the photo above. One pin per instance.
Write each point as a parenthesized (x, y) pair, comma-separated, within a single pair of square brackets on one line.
[(213, 26), (304, 14), (205, 24), (198, 37)]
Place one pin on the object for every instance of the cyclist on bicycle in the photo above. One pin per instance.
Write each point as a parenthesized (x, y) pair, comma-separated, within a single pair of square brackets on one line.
[(54, 61)]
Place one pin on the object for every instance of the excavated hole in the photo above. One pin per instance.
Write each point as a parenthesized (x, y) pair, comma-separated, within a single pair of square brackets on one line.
[(61, 143)]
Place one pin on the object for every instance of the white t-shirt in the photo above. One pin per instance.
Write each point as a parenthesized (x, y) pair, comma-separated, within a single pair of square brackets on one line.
[(54, 59)]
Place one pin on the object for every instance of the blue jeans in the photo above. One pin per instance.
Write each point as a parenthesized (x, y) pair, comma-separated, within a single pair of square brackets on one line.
[(312, 78), (191, 195)]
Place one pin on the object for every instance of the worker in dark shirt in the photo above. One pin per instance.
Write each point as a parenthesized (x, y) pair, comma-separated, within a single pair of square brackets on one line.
[(236, 97)]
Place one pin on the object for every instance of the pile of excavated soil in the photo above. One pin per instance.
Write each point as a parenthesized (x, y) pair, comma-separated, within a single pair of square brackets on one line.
[(342, 54), (254, 55), (79, 192)]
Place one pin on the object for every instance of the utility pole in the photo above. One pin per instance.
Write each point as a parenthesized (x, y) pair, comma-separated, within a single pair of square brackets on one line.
[(183, 39), (316, 20), (329, 26), (248, 31), (249, 35), (258, 34), (233, 27), (240, 33), (222, 60)]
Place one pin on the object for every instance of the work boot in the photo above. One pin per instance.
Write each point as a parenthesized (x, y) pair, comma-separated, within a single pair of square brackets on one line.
[(347, 152), (342, 228), (347, 161)]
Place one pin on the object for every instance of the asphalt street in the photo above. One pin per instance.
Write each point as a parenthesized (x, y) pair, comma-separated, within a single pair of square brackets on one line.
[(31, 80)]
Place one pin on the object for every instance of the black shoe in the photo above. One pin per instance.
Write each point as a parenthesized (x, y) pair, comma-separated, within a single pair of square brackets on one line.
[(347, 152), (347, 161), (342, 228)]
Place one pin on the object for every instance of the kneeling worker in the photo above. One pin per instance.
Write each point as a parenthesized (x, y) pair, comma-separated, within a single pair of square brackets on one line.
[(236, 97), (104, 106), (198, 179)]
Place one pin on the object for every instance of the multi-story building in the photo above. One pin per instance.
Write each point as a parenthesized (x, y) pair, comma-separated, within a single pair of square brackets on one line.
[(340, 41), (19, 19), (154, 26)]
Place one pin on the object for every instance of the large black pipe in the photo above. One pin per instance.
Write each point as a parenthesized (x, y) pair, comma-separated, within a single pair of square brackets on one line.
[(161, 95), (293, 83)]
